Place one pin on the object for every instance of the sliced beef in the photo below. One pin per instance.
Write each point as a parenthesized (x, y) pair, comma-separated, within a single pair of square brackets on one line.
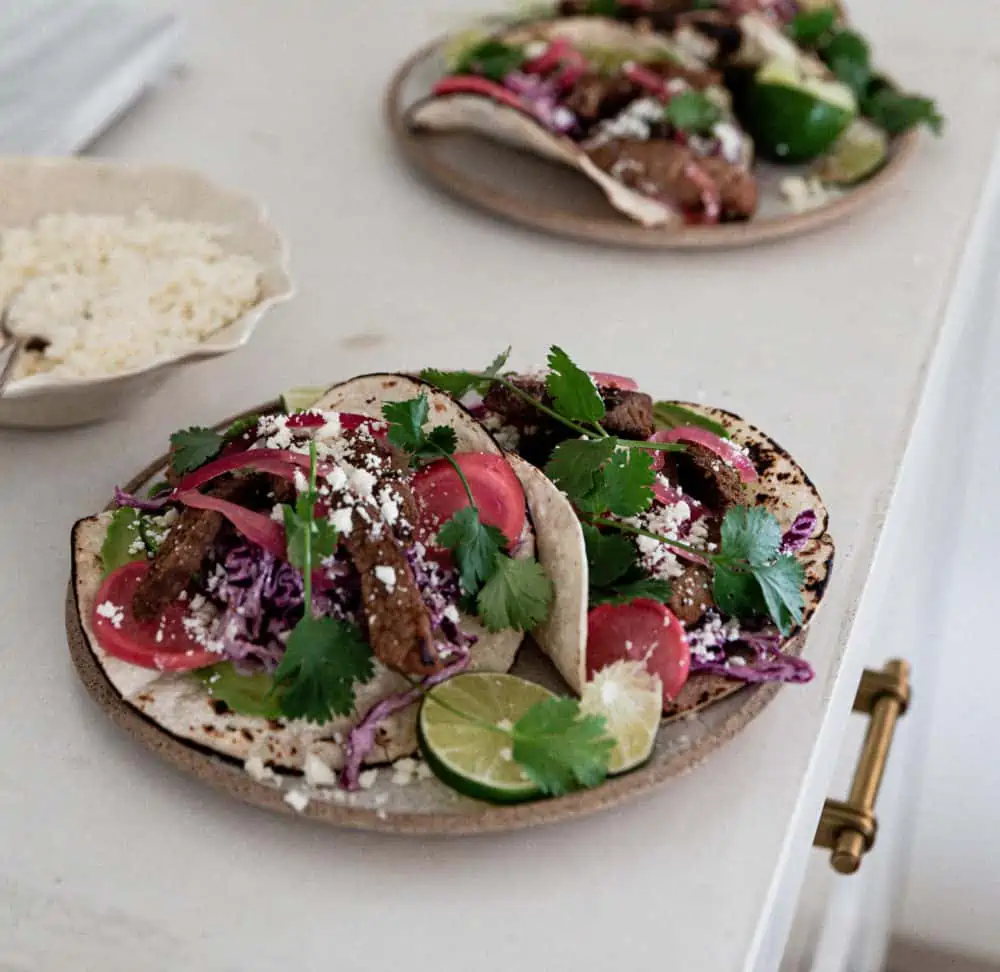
[(662, 169), (698, 78), (708, 479), (596, 97), (399, 627), (691, 594), (629, 415)]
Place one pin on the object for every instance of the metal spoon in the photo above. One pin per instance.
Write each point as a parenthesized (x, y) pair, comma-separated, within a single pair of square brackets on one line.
[(13, 346)]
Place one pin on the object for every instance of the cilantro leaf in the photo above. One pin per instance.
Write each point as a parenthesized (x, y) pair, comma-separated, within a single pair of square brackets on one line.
[(475, 545), (492, 59), (441, 438), (751, 534), (896, 113), (628, 482), (609, 556), (323, 660), (626, 591), (559, 749), (517, 596), (250, 695), (192, 448), (668, 415), (576, 465), (781, 587), (241, 427), (455, 383), (460, 383), (573, 391), (406, 422), (690, 111), (847, 54), (809, 27), (738, 593), (123, 543)]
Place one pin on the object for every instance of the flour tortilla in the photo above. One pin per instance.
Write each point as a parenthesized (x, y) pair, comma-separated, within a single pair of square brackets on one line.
[(180, 704), (783, 488), (520, 129)]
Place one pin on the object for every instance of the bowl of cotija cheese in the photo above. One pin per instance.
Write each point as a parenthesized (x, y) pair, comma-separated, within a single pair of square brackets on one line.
[(119, 274)]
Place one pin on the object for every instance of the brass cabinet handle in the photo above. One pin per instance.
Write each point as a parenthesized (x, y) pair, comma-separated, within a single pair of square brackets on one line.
[(848, 829)]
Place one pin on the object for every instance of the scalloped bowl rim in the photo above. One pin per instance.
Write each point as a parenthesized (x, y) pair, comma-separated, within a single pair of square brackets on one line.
[(245, 325)]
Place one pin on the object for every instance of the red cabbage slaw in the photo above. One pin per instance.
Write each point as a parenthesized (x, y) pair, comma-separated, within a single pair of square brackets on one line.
[(747, 656)]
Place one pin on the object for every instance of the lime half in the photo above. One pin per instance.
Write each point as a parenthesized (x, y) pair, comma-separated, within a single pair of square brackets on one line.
[(631, 700), (794, 118), (858, 153), (298, 399), (458, 734)]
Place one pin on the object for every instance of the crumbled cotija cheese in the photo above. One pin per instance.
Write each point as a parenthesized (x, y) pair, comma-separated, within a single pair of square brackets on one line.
[(113, 293)]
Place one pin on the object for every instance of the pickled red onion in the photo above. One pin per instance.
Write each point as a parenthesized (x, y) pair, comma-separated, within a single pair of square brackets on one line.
[(726, 451)]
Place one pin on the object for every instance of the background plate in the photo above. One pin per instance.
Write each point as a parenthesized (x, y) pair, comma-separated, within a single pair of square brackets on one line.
[(556, 199), (427, 806)]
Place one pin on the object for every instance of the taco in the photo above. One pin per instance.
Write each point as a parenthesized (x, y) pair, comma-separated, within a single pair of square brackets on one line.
[(640, 116), (676, 534), (193, 599)]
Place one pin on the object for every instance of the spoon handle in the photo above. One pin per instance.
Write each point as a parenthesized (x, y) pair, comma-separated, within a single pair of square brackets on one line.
[(9, 354)]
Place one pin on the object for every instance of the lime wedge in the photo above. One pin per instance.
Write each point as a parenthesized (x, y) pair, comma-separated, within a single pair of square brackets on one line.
[(461, 747), (631, 700), (793, 117), (298, 399), (858, 153)]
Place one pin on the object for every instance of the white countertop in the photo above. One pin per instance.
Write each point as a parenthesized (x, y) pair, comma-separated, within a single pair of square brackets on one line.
[(114, 861)]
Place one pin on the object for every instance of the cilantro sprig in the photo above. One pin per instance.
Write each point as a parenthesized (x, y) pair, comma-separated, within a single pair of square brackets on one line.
[(507, 592), (556, 745), (324, 658), (192, 448), (610, 480), (848, 55), (692, 112)]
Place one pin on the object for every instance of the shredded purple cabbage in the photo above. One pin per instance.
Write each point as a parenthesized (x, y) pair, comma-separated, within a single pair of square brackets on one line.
[(745, 656), (542, 97), (799, 532), (361, 739), (138, 503)]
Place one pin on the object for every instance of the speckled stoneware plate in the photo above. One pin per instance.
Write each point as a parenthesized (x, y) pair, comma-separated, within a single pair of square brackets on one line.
[(546, 196), (428, 806)]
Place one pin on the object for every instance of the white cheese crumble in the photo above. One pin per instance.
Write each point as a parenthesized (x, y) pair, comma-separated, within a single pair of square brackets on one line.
[(362, 482), (803, 194), (341, 520), (367, 779), (337, 479), (297, 799), (634, 122), (387, 576), (257, 770), (317, 773), (111, 612)]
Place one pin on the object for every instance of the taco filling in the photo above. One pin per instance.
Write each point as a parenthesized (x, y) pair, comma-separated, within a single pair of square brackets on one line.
[(703, 545)]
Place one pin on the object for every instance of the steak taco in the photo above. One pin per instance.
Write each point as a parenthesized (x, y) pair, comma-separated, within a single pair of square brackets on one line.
[(646, 121), (676, 534), (279, 595)]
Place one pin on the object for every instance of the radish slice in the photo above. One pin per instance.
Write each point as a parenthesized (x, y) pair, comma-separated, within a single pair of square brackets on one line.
[(496, 489), (472, 84), (647, 79), (726, 451), (558, 54), (255, 527), (604, 379), (645, 631), (163, 644)]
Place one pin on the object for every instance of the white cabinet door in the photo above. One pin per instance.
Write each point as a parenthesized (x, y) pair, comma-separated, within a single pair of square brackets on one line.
[(843, 923)]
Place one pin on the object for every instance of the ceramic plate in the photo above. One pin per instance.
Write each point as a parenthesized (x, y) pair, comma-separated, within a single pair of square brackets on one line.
[(556, 199)]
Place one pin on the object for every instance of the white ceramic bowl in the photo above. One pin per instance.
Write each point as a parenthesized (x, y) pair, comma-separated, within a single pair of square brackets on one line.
[(32, 188)]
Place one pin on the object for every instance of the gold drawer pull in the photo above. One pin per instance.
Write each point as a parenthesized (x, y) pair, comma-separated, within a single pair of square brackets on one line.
[(848, 829)]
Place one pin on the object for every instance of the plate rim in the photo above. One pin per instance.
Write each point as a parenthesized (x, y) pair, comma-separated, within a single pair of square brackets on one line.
[(616, 229), (228, 775)]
